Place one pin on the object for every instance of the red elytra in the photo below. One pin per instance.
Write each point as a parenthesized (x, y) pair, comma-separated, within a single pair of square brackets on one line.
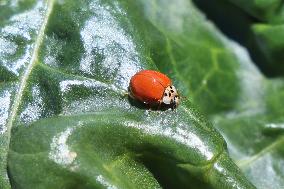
[(152, 87)]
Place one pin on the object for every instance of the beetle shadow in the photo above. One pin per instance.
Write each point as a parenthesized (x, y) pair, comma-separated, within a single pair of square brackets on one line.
[(154, 107)]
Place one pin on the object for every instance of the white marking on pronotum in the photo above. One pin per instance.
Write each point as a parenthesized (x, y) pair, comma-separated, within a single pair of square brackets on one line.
[(105, 183), (60, 152)]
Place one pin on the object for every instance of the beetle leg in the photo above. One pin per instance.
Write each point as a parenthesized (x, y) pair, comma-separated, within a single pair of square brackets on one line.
[(159, 104), (149, 107), (129, 93), (125, 94), (174, 107)]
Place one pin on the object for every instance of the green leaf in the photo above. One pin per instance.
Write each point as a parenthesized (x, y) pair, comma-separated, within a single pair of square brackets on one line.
[(65, 120), (266, 38), (255, 140), (271, 43), (221, 80), (267, 11)]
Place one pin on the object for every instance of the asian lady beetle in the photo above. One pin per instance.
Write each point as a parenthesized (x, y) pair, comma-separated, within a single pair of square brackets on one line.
[(153, 88)]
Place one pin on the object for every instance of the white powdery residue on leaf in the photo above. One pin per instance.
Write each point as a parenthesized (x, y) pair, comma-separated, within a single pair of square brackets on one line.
[(24, 25), (104, 37), (67, 85), (98, 100), (179, 134), (34, 109), (5, 101), (105, 183), (7, 47), (53, 50), (93, 104), (7, 51), (59, 150), (126, 71), (18, 64)]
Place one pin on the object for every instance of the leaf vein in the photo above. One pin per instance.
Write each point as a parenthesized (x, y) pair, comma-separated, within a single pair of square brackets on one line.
[(28, 71), (245, 162)]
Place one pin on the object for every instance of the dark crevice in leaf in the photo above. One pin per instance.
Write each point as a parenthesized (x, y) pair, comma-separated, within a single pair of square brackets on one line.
[(170, 175)]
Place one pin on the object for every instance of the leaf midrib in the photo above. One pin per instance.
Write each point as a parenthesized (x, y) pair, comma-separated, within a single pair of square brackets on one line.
[(244, 163), (32, 63)]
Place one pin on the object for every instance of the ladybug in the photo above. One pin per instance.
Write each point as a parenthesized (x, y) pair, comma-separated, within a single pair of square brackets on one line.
[(153, 88)]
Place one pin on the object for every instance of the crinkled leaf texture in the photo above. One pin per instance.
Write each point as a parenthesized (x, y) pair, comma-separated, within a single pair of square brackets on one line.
[(66, 122), (221, 80)]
